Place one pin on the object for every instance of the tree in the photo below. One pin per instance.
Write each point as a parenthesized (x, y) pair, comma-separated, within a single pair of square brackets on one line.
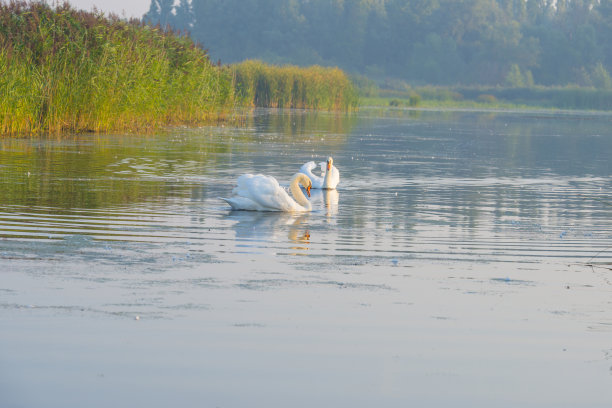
[(160, 12), (600, 77), (515, 79)]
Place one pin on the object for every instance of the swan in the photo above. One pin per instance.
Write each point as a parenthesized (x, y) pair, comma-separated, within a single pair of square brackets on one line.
[(263, 193), (330, 176)]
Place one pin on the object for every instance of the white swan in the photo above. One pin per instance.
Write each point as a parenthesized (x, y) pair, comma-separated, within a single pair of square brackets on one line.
[(330, 176), (263, 193)]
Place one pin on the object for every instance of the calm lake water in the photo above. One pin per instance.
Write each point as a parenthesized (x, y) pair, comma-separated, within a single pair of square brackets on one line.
[(465, 260)]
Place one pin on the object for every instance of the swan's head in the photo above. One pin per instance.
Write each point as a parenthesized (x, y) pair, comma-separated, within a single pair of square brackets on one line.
[(330, 162)]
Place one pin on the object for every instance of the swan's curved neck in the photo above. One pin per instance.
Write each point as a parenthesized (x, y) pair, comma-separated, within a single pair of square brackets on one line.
[(296, 191), (327, 179)]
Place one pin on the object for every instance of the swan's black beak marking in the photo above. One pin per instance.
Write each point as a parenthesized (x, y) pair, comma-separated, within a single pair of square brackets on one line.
[(308, 190)]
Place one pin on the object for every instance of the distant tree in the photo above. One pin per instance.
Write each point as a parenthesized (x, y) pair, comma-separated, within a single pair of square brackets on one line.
[(184, 16), (160, 12), (600, 77), (529, 82), (583, 77), (514, 78), (603, 22)]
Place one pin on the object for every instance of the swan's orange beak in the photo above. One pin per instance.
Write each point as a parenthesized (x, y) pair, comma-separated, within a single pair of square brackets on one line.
[(308, 190), (328, 166)]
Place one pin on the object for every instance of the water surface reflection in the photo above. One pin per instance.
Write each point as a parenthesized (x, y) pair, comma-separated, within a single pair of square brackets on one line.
[(462, 251)]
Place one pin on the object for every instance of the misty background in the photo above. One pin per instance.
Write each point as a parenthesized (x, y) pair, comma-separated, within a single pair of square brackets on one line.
[(446, 42)]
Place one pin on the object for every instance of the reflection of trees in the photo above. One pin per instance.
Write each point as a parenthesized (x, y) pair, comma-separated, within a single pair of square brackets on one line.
[(469, 171), (90, 171), (471, 166), (299, 125), (94, 171)]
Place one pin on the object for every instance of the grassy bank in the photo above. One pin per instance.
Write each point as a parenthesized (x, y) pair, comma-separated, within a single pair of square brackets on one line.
[(66, 70), (63, 70), (536, 97), (566, 97), (259, 84)]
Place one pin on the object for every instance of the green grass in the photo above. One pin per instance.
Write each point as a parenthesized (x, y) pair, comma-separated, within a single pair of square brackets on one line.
[(315, 87)]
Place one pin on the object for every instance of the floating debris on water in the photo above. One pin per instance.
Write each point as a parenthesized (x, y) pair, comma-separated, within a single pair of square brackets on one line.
[(511, 281)]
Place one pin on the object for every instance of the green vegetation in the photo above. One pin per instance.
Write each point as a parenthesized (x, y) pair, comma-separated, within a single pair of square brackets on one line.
[(63, 70), (569, 97), (67, 70), (259, 84), (513, 43)]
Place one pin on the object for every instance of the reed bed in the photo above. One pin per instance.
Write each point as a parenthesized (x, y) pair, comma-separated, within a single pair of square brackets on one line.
[(262, 85), (63, 70)]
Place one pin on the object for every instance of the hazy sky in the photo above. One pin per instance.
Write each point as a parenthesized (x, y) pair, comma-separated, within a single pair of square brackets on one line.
[(132, 8)]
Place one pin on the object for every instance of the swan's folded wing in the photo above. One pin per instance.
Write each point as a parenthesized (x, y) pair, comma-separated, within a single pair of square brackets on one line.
[(283, 201), (249, 185), (307, 167), (266, 192), (242, 185)]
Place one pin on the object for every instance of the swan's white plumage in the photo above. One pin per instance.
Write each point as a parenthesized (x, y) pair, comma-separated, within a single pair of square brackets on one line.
[(263, 193), (327, 180)]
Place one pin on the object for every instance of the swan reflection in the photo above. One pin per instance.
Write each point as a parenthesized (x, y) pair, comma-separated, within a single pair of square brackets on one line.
[(269, 227), (299, 234), (327, 200), (263, 229)]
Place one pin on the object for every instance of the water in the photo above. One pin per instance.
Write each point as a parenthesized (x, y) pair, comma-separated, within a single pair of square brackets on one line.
[(465, 260)]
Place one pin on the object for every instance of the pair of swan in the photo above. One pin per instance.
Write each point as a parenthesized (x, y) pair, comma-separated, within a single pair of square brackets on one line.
[(263, 193)]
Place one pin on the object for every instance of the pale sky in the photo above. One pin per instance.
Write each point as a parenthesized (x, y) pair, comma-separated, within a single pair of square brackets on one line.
[(132, 8)]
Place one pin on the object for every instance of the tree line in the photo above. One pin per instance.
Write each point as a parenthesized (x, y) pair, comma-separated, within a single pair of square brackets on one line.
[(516, 43)]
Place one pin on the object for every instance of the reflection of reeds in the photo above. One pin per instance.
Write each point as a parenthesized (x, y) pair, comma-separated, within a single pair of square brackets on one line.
[(263, 85), (68, 70)]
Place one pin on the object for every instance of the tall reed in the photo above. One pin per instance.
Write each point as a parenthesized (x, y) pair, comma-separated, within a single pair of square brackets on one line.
[(63, 70), (263, 85), (67, 70)]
